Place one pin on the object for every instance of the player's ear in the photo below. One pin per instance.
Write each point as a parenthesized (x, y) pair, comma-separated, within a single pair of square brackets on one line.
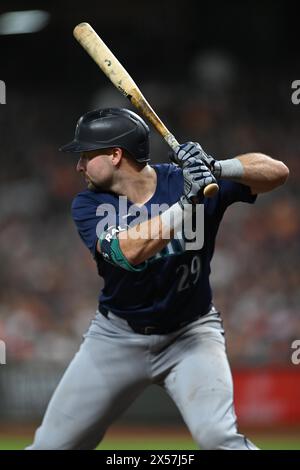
[(117, 153)]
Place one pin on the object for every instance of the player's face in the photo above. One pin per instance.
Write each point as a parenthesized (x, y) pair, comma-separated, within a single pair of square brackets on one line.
[(97, 168)]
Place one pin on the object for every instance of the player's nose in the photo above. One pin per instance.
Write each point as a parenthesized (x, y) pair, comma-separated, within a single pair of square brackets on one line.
[(80, 165)]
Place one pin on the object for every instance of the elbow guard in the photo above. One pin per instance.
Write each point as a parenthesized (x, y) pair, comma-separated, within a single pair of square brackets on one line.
[(111, 251)]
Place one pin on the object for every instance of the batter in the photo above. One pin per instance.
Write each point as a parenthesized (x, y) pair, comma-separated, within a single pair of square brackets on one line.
[(156, 322)]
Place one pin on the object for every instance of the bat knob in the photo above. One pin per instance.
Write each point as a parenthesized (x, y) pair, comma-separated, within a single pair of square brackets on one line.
[(210, 190)]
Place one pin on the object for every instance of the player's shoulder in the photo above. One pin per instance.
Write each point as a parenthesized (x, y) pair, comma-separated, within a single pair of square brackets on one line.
[(88, 198), (167, 169), (84, 198), (170, 183)]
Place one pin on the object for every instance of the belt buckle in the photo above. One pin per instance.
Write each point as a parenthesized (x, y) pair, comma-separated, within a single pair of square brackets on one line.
[(148, 330)]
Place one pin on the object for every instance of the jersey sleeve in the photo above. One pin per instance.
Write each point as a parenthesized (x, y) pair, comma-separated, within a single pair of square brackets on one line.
[(231, 191), (84, 213)]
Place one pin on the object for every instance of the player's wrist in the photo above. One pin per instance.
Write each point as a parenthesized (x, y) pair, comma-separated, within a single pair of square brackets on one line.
[(173, 218), (192, 201), (183, 201)]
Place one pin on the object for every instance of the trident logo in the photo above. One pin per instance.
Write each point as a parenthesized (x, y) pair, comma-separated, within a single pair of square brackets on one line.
[(2, 92)]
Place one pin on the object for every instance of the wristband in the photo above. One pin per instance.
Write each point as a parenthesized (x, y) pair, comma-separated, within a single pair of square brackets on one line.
[(231, 169)]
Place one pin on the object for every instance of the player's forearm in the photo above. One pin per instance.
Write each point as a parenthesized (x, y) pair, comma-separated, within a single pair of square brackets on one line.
[(256, 170), (144, 240)]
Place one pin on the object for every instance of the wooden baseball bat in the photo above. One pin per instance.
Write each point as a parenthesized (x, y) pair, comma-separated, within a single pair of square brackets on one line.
[(110, 65)]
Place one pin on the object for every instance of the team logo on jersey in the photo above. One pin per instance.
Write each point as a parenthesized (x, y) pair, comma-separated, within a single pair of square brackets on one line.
[(111, 232), (130, 216)]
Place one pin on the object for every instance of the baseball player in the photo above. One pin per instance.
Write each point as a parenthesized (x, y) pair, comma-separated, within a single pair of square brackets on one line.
[(156, 322)]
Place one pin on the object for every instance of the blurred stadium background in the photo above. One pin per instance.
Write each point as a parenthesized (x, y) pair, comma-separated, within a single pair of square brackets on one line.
[(221, 75)]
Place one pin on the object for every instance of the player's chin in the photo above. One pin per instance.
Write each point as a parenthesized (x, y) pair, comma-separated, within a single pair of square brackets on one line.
[(97, 184), (92, 186)]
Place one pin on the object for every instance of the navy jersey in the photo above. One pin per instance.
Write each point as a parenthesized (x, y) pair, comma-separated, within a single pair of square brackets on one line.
[(174, 286)]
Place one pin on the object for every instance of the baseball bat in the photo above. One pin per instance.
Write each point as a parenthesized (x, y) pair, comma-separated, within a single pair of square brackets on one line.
[(109, 64)]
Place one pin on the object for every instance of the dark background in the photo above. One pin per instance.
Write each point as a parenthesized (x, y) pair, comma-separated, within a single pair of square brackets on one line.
[(218, 73)]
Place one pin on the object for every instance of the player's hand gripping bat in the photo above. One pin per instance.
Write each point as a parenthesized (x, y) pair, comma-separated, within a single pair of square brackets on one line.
[(110, 65)]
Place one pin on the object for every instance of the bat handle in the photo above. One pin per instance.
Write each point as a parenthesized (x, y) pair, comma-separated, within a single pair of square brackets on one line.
[(211, 189)]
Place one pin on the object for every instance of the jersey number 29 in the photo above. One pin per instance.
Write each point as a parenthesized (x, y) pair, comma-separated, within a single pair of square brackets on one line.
[(189, 274)]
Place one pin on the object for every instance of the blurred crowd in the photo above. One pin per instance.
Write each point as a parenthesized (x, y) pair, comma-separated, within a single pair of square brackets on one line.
[(48, 281)]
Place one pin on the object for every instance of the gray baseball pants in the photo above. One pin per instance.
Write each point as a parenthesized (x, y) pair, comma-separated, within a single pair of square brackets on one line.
[(114, 365)]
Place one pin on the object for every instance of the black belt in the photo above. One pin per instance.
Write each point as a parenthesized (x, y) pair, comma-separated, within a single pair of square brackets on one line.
[(152, 329), (156, 330)]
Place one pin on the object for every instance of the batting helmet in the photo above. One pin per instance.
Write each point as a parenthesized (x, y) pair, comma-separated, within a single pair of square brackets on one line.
[(111, 127)]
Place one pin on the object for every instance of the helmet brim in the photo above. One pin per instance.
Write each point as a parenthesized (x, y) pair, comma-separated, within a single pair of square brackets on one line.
[(77, 147)]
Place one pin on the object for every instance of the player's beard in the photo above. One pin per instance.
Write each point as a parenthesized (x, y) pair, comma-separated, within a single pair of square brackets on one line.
[(95, 186), (91, 186)]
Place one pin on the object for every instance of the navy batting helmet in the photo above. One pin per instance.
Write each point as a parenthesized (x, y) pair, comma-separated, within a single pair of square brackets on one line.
[(111, 127)]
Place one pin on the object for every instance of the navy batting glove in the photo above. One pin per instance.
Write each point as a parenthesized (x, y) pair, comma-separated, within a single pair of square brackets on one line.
[(193, 150), (184, 152), (196, 176), (213, 164)]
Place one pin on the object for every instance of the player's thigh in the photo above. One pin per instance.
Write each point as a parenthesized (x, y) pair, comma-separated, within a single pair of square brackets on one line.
[(200, 361), (100, 373), (101, 381), (200, 383)]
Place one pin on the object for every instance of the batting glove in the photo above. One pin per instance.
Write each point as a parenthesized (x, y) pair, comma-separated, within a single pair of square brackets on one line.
[(196, 176), (194, 150)]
